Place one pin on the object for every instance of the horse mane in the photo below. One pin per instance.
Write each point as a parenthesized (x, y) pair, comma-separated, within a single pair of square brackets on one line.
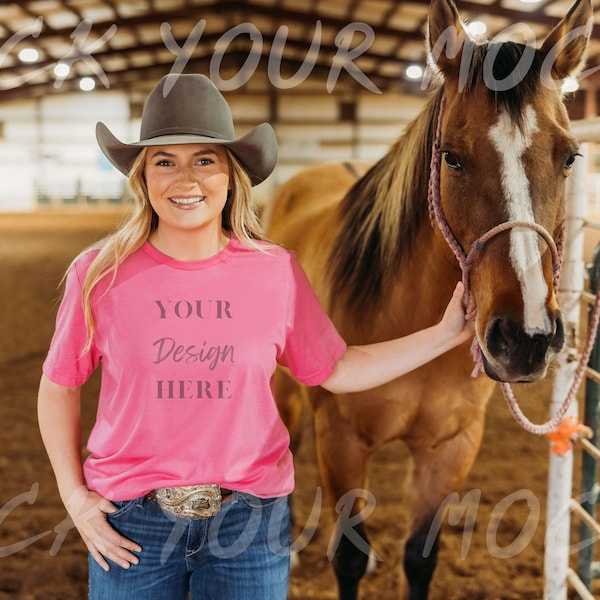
[(380, 215), (514, 80)]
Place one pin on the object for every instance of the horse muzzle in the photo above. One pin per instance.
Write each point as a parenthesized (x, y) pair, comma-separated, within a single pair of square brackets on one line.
[(511, 355)]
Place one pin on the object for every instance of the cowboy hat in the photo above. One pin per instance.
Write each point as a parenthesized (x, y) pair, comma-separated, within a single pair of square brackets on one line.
[(189, 109)]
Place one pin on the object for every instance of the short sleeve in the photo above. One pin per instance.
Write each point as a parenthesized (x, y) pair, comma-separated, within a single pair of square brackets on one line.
[(66, 362), (313, 346)]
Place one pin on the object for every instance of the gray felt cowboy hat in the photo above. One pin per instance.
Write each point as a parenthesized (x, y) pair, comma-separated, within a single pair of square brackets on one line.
[(189, 109)]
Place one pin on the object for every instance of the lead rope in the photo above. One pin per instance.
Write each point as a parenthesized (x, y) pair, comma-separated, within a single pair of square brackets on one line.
[(436, 216)]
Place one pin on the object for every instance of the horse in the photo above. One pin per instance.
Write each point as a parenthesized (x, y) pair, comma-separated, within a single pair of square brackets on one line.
[(497, 122)]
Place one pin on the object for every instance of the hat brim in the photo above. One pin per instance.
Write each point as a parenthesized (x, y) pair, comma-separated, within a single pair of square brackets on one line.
[(256, 151)]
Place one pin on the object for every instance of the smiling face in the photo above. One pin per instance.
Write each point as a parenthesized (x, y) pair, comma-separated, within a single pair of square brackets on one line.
[(188, 185)]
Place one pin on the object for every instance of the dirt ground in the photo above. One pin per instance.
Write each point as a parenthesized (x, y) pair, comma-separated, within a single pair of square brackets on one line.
[(42, 557)]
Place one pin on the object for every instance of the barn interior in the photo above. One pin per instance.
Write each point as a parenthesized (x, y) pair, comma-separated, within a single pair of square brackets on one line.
[(338, 80)]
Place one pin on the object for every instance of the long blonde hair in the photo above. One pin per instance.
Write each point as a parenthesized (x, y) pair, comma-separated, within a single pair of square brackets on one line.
[(239, 217)]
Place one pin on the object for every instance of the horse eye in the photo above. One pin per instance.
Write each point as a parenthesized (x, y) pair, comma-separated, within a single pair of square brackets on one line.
[(571, 160), (452, 161)]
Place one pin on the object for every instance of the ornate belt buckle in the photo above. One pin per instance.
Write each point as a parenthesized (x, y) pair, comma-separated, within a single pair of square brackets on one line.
[(190, 502)]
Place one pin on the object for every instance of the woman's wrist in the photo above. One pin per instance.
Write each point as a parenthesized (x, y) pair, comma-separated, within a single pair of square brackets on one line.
[(72, 496)]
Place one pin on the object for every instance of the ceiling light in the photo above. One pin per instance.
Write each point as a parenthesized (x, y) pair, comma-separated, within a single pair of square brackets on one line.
[(28, 55), (569, 84), (61, 69), (414, 72), (477, 28), (87, 84)]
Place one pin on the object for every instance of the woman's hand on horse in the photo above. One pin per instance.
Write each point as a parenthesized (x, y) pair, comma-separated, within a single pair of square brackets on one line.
[(458, 320), (367, 366), (88, 511)]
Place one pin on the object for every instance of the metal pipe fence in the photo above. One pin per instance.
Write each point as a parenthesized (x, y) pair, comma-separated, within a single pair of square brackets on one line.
[(559, 575)]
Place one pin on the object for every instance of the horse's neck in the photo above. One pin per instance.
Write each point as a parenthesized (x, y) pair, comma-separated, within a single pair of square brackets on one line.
[(425, 285)]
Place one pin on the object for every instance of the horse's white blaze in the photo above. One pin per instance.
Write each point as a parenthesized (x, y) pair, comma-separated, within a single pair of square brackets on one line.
[(511, 142)]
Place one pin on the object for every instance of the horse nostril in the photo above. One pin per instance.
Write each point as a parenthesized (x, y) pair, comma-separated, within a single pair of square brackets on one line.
[(558, 340), (507, 338), (496, 342), (503, 337), (516, 352)]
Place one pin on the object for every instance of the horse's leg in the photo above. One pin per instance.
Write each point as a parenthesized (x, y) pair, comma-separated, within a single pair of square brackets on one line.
[(439, 470), (419, 566), (342, 463)]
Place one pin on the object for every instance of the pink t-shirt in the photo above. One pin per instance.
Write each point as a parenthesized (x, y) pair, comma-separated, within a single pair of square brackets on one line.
[(188, 350)]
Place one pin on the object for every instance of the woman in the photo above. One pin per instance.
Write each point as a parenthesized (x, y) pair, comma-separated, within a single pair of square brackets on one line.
[(189, 312)]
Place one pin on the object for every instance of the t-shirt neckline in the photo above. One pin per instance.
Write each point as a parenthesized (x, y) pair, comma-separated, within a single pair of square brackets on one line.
[(191, 265)]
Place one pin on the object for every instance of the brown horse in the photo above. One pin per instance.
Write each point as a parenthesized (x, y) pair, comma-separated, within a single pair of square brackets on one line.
[(383, 271)]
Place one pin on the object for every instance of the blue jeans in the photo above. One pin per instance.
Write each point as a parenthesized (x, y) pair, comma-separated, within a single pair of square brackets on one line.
[(242, 553)]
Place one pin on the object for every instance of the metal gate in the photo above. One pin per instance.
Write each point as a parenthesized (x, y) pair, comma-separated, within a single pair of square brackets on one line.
[(564, 539)]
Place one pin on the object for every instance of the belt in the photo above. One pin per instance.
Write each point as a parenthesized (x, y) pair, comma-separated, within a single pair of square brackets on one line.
[(191, 501)]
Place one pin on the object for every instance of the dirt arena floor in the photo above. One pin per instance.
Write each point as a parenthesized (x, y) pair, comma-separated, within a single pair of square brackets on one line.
[(41, 557)]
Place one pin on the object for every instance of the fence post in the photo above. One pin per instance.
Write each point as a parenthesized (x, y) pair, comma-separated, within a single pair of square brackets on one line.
[(560, 473), (589, 464)]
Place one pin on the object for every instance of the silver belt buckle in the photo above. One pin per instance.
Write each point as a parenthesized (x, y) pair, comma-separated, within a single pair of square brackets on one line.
[(191, 501)]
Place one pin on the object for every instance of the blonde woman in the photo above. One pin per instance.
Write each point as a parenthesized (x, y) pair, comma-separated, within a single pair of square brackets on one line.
[(189, 312)]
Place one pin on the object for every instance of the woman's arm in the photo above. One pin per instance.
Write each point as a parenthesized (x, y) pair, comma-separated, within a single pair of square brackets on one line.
[(60, 425), (59, 417), (365, 367)]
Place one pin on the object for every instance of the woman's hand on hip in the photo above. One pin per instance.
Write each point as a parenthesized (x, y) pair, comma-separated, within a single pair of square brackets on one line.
[(88, 511)]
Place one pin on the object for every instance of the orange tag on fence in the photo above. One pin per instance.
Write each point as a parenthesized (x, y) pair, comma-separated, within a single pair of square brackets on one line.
[(566, 434)]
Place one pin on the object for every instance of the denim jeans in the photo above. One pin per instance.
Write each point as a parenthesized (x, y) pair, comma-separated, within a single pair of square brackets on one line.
[(242, 553)]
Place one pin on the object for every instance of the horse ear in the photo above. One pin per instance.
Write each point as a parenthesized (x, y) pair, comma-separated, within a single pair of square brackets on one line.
[(566, 44), (446, 36)]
